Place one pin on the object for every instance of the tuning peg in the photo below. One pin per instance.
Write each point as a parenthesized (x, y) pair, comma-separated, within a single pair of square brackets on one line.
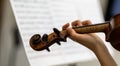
[(36, 39), (58, 43), (48, 49), (56, 31), (63, 39), (45, 37)]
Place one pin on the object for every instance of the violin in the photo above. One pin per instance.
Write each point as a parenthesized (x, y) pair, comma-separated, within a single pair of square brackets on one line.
[(111, 29)]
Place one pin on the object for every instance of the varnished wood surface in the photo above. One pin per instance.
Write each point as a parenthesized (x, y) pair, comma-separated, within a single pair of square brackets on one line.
[(111, 30)]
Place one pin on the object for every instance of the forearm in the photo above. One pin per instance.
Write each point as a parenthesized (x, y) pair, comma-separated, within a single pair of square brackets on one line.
[(104, 56)]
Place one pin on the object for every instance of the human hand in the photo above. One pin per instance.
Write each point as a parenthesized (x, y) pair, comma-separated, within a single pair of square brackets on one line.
[(90, 40)]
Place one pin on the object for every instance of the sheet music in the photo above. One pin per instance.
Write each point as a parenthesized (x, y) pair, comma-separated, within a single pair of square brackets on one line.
[(39, 17)]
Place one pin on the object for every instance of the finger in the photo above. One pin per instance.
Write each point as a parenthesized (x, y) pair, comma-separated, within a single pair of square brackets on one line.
[(76, 23), (70, 31), (86, 22), (73, 35), (65, 26)]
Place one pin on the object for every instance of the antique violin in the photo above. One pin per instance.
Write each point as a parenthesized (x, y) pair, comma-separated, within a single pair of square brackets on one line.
[(111, 30)]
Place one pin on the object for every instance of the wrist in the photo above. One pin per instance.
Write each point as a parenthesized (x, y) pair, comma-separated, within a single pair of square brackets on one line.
[(104, 56)]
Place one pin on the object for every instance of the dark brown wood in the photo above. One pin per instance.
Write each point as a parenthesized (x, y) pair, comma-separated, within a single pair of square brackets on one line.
[(114, 37), (111, 30)]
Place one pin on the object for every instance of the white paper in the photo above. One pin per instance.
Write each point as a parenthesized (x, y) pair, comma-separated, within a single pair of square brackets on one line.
[(40, 16)]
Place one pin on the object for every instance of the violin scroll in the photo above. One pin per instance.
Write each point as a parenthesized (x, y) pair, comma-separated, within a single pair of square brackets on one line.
[(39, 43)]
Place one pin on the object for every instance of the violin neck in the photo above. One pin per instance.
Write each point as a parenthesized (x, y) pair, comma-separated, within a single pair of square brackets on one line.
[(103, 27)]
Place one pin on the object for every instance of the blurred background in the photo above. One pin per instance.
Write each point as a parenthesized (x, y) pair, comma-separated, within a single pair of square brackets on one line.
[(11, 48)]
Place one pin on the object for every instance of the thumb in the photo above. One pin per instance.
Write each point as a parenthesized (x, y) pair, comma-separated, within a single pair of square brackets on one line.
[(73, 35), (71, 32)]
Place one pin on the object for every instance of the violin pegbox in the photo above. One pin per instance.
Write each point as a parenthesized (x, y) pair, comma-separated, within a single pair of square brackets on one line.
[(39, 43)]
